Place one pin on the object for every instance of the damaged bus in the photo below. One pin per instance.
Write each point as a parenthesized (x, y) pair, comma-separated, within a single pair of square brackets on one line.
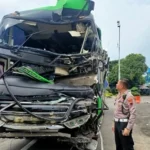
[(53, 69)]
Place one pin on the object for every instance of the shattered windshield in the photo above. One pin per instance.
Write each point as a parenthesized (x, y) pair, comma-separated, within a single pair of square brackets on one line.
[(65, 38), (5, 29)]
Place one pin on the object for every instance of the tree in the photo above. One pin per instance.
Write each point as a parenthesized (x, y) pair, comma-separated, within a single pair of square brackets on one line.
[(112, 63), (132, 68)]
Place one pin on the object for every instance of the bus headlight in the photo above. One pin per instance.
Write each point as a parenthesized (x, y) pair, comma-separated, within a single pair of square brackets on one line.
[(77, 122)]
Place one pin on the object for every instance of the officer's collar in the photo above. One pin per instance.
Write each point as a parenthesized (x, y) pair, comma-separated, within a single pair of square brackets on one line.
[(125, 93)]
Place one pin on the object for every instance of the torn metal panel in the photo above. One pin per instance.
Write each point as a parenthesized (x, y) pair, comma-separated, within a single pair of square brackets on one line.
[(87, 80), (61, 71), (29, 119), (19, 113), (62, 11), (61, 108), (20, 87), (35, 127), (31, 135)]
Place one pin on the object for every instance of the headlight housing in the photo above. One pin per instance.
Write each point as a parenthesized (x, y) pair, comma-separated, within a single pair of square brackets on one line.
[(77, 122)]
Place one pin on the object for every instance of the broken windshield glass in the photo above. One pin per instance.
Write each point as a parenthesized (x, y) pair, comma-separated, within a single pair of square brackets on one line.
[(68, 38), (7, 35)]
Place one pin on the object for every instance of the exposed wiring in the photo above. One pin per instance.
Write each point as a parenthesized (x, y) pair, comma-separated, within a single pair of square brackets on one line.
[(14, 98), (26, 110), (32, 114)]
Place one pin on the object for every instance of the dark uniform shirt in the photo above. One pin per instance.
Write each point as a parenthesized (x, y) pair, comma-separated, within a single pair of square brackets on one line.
[(128, 108)]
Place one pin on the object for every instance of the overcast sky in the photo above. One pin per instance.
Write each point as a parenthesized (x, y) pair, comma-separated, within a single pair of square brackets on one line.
[(133, 15)]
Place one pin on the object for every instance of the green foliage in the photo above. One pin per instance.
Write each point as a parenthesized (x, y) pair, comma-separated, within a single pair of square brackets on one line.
[(135, 91), (113, 75), (132, 68), (108, 90), (114, 90), (112, 64), (108, 94), (135, 94), (142, 80)]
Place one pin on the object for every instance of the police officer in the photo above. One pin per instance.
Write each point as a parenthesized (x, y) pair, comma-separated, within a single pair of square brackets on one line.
[(124, 117)]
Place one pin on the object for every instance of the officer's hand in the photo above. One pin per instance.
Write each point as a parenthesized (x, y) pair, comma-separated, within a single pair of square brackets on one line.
[(126, 132), (113, 127)]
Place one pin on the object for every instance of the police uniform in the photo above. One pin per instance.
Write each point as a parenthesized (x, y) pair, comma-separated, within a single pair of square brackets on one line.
[(124, 117)]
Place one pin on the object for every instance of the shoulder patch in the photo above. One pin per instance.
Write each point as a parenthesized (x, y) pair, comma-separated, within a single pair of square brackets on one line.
[(130, 100)]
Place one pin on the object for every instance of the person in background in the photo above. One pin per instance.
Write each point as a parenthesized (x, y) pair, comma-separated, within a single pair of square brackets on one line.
[(124, 117)]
